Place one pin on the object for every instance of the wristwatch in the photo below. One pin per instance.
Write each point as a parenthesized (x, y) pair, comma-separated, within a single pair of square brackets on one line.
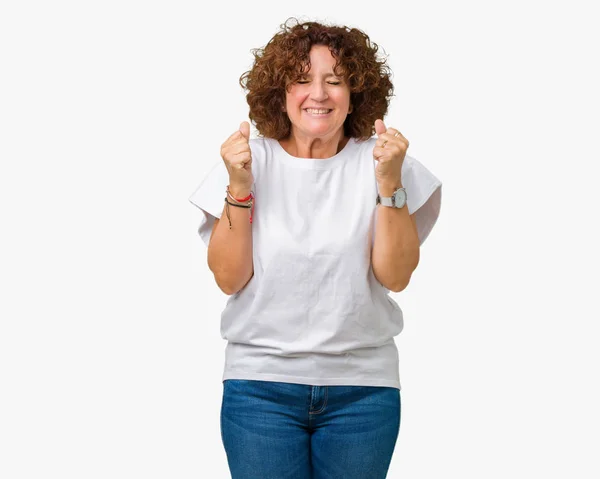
[(397, 200)]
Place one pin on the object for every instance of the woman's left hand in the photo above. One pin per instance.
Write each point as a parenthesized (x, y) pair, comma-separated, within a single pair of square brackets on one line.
[(389, 151)]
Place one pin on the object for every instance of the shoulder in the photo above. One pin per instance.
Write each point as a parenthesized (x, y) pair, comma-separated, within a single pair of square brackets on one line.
[(259, 145), (365, 145), (418, 170)]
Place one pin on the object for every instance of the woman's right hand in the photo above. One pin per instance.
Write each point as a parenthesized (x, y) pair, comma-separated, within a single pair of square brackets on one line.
[(238, 159)]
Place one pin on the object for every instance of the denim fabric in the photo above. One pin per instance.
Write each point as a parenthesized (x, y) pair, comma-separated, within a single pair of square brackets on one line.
[(276, 430)]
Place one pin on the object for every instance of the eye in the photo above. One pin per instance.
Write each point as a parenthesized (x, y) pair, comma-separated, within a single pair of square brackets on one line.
[(302, 82), (334, 83)]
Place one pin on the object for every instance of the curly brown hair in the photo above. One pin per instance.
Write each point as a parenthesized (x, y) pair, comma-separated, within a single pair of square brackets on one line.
[(287, 55)]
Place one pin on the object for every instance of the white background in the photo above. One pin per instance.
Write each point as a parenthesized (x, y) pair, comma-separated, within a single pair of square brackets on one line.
[(112, 112)]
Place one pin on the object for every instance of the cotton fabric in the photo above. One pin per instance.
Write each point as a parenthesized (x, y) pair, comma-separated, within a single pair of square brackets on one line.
[(313, 313)]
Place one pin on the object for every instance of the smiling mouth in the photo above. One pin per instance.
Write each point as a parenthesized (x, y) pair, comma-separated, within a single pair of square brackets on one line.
[(318, 111)]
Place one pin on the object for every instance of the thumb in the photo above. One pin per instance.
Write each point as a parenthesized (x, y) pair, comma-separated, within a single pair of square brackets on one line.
[(245, 129), (380, 127)]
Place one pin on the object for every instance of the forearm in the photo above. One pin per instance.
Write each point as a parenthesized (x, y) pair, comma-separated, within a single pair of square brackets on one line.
[(230, 250), (395, 253)]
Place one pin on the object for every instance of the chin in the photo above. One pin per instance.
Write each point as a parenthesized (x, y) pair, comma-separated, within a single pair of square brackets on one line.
[(319, 130)]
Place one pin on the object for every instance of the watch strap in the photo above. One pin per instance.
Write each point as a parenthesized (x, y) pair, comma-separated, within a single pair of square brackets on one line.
[(385, 200), (389, 200)]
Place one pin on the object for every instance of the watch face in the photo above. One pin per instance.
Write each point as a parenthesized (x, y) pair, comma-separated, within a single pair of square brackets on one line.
[(400, 198)]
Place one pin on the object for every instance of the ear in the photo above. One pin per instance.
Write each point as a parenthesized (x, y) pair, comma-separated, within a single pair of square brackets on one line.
[(351, 109)]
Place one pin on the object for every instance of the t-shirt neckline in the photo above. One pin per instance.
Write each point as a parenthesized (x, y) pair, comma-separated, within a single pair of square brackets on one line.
[(314, 163)]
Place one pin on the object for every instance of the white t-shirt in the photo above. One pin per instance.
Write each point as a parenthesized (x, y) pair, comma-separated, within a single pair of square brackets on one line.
[(314, 313)]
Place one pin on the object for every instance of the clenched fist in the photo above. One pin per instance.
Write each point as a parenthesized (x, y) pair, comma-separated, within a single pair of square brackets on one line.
[(238, 159)]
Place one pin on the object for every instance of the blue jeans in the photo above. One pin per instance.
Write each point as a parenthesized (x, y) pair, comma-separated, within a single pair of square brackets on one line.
[(276, 430)]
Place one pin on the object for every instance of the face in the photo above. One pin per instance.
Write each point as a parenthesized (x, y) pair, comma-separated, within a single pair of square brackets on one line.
[(318, 90)]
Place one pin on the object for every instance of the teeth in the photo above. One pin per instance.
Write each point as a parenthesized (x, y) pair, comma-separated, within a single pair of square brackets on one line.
[(319, 112)]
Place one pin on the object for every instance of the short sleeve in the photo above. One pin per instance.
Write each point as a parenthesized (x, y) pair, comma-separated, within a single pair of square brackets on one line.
[(209, 196), (423, 195)]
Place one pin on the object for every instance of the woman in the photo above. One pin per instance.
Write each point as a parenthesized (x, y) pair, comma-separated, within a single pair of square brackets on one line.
[(321, 221)]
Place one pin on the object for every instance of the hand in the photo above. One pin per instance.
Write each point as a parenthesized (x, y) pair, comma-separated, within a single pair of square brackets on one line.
[(237, 156), (389, 151)]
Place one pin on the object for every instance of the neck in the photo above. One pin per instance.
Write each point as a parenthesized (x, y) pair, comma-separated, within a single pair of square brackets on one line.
[(311, 147)]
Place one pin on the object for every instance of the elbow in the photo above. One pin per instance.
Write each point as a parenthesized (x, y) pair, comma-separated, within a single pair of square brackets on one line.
[(221, 279), (225, 286), (405, 280), (403, 283), (394, 287), (400, 287), (230, 287), (398, 283), (226, 289)]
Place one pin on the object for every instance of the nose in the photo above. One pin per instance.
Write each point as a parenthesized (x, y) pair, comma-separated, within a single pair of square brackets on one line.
[(318, 92)]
